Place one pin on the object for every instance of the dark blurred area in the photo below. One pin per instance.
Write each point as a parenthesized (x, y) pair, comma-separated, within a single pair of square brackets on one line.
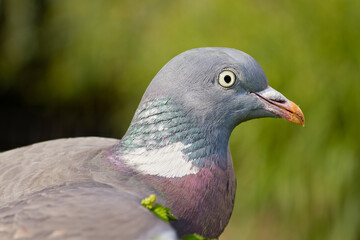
[(23, 123), (79, 68), (31, 110)]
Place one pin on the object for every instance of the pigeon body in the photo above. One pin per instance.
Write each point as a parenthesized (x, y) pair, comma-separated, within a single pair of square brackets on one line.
[(177, 147)]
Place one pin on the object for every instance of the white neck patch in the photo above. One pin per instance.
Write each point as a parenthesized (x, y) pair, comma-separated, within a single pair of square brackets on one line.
[(168, 161)]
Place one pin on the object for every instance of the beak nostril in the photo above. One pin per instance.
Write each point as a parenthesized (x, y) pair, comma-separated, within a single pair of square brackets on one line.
[(279, 100)]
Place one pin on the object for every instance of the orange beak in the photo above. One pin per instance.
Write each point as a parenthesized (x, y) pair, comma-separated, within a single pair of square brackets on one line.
[(277, 104)]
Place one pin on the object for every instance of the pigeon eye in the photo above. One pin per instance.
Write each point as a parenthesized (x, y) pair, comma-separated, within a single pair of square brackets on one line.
[(227, 79)]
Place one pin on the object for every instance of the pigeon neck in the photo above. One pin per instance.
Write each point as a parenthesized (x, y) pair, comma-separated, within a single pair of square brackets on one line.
[(164, 140)]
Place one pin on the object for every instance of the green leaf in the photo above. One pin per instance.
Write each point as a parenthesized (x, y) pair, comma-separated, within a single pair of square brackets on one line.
[(159, 210), (163, 213), (149, 201), (195, 237)]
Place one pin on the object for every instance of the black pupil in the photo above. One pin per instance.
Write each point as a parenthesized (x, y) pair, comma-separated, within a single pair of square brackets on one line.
[(227, 79)]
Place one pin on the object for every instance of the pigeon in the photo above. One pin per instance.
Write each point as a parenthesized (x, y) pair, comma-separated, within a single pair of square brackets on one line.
[(176, 147)]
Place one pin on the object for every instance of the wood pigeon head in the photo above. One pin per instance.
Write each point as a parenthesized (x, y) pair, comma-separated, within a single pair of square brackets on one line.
[(220, 88)]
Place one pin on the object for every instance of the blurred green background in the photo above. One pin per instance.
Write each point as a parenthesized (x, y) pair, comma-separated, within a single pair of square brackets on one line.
[(78, 68)]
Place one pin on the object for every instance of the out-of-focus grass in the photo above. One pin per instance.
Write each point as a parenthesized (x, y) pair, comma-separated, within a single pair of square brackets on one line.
[(293, 182)]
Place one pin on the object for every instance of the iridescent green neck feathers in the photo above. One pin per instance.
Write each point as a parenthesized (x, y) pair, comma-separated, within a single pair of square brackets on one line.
[(164, 140)]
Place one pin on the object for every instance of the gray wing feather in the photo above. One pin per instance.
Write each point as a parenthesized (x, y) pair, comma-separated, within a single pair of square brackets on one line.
[(42, 165), (81, 211), (51, 190)]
